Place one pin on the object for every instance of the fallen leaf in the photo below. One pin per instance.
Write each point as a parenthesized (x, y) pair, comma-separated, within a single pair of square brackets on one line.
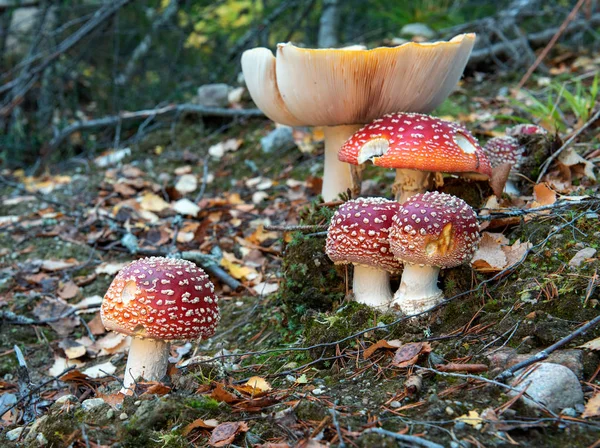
[(592, 407), (100, 370), (472, 419), (153, 203), (218, 150), (408, 354), (302, 379), (199, 423), (112, 343), (72, 349), (543, 196), (225, 433), (112, 157), (220, 394), (571, 163), (89, 302), (62, 364), (594, 344), (255, 386), (490, 257), (186, 207), (68, 290), (51, 309), (58, 265), (110, 268), (382, 343), (264, 288), (186, 184)]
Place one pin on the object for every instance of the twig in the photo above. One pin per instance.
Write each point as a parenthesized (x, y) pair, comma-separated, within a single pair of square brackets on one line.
[(113, 120), (565, 145), (454, 367), (508, 373), (415, 441), (550, 44), (294, 228), (333, 413)]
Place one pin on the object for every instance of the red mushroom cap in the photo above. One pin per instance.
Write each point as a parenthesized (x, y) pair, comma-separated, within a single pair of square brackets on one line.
[(417, 142), (501, 150), (434, 229), (161, 298), (359, 231), (525, 129)]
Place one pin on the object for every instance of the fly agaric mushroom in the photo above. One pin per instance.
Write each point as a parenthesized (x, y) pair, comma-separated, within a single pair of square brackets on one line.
[(156, 300), (416, 145), (525, 129), (342, 89), (429, 232), (501, 150), (358, 234)]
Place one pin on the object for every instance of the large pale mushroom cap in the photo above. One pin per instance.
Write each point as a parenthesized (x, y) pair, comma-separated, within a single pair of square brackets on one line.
[(330, 87)]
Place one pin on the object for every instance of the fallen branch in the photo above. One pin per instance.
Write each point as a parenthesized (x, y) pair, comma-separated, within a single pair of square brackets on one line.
[(114, 120), (535, 40), (571, 139), (469, 368), (540, 356)]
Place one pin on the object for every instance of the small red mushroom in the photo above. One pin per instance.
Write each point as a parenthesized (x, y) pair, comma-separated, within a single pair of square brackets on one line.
[(430, 231), (358, 234), (416, 145), (507, 149), (156, 300)]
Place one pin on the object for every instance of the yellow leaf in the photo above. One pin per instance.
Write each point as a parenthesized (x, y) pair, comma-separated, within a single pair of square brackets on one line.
[(472, 419), (592, 407), (259, 383), (236, 270), (153, 203)]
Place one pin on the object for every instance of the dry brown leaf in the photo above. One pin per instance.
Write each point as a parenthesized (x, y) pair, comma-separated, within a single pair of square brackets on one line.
[(220, 394), (543, 196), (225, 433), (153, 203), (199, 423), (58, 265), (68, 290), (408, 354), (592, 407), (490, 257), (395, 343), (594, 344), (571, 163)]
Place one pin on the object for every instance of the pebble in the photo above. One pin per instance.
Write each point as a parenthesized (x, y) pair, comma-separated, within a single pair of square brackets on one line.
[(138, 402), (213, 95), (449, 411), (123, 416), (14, 434), (110, 414), (41, 439), (279, 139), (395, 404), (581, 256), (460, 425), (454, 444), (67, 399), (92, 403), (569, 412), (317, 391), (553, 385)]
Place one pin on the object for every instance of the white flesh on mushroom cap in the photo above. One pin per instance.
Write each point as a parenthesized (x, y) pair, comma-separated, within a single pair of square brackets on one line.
[(371, 286), (418, 289), (147, 359)]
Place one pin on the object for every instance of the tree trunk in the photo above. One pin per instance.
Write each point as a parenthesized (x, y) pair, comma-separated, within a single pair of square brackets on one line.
[(328, 25)]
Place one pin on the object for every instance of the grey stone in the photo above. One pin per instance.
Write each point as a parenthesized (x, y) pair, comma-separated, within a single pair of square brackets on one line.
[(581, 256), (553, 385), (67, 399), (279, 139), (569, 412), (213, 95), (92, 403), (417, 29), (395, 404), (41, 440), (123, 416), (14, 434), (459, 425)]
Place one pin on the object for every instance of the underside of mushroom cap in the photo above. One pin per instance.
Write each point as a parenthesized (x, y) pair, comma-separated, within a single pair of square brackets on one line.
[(258, 66), (434, 229), (359, 231), (330, 87), (418, 142)]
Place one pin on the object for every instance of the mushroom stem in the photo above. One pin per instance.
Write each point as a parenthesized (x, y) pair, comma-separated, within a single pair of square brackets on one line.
[(148, 358), (337, 177), (410, 182), (418, 289), (371, 286)]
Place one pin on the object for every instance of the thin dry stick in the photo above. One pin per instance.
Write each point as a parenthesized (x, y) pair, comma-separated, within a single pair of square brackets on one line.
[(508, 373), (548, 47), (576, 134)]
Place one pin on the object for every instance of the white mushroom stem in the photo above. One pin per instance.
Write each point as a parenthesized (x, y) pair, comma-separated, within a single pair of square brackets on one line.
[(148, 359), (371, 286), (418, 289), (337, 177), (410, 182)]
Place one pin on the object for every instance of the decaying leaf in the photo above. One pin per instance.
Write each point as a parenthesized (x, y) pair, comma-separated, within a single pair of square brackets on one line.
[(225, 433), (199, 423), (100, 370), (408, 354), (153, 203), (472, 419), (495, 254), (395, 343), (570, 163), (592, 407), (594, 344), (543, 195)]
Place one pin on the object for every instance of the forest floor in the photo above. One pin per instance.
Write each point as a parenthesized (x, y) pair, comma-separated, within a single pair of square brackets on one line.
[(294, 361)]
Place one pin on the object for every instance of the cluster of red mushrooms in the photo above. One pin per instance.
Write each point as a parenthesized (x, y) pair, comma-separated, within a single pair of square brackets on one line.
[(156, 300)]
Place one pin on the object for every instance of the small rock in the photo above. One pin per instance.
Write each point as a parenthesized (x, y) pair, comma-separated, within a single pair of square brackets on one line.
[(213, 95), (67, 399), (553, 385), (317, 391), (41, 440), (92, 403), (591, 215), (137, 403), (123, 416), (417, 29), (449, 411), (279, 139), (395, 404), (110, 414), (459, 425), (503, 359), (579, 407), (581, 256), (454, 444), (14, 434), (569, 412)]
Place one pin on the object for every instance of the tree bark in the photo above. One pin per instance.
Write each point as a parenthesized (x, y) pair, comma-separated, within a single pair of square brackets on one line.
[(328, 25)]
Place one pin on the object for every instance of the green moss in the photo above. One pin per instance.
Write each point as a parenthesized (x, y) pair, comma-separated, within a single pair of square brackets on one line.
[(203, 403)]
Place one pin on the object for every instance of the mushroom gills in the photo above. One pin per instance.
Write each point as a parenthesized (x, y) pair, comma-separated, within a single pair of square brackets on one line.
[(373, 149)]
